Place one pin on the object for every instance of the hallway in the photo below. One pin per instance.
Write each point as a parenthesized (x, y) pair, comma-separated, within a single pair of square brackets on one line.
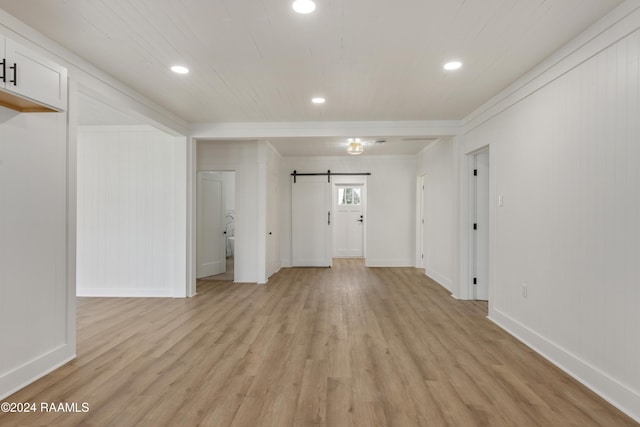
[(341, 346)]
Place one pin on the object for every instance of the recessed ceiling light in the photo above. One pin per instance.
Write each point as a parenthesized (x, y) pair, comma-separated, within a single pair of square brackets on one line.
[(453, 65), (304, 6), (318, 100), (179, 69)]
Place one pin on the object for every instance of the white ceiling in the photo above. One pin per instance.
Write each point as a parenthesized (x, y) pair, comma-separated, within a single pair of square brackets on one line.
[(258, 61), (303, 147), (92, 112)]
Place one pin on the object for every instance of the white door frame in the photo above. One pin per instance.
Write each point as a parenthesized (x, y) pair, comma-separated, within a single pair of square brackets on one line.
[(192, 204), (220, 265), (467, 266), (420, 246), (341, 181)]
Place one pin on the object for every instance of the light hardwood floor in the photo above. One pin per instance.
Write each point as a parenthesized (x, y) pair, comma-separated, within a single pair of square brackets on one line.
[(342, 346)]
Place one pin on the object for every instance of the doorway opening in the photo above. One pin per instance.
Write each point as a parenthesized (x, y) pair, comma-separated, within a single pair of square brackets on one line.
[(216, 225)]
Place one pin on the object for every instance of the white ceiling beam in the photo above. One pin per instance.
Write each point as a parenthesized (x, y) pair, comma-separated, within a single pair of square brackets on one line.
[(324, 129)]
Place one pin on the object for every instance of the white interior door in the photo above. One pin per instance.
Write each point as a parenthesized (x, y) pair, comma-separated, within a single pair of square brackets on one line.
[(481, 231), (211, 241), (349, 210), (420, 209), (273, 224), (310, 221)]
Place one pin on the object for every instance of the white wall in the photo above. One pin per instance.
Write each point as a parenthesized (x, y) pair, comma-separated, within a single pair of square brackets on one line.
[(390, 204), (241, 157), (131, 202), (36, 313), (565, 156), (436, 162)]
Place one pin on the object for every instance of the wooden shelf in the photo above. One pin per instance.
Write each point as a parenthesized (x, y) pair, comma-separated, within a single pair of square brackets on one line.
[(23, 105)]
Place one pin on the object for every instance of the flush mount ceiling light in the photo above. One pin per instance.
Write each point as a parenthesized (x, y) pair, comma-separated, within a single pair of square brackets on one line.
[(318, 100), (355, 147), (453, 65), (179, 69), (304, 6)]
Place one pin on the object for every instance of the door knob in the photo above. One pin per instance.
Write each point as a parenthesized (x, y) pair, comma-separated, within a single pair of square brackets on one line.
[(361, 219)]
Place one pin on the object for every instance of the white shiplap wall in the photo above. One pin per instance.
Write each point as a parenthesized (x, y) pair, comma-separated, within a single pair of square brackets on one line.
[(36, 312), (129, 241), (567, 165)]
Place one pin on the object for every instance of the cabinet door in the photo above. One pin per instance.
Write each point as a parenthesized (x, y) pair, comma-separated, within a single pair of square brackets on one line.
[(35, 77)]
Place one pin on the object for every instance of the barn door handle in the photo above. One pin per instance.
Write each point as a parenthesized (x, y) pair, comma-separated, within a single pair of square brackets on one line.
[(329, 218), (14, 67)]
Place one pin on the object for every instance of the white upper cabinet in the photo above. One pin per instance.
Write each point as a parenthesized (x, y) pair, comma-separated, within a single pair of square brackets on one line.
[(28, 81)]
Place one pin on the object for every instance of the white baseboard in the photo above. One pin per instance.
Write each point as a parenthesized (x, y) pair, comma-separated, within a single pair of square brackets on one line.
[(267, 280), (124, 293), (442, 280), (369, 262), (20, 377), (614, 392)]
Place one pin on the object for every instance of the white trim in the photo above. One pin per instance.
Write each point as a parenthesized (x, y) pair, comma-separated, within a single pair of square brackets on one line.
[(192, 176), (440, 279), (125, 293), (72, 213), (181, 225), (614, 392), (116, 128), (420, 180), (462, 239), (35, 369), (388, 262), (265, 130)]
